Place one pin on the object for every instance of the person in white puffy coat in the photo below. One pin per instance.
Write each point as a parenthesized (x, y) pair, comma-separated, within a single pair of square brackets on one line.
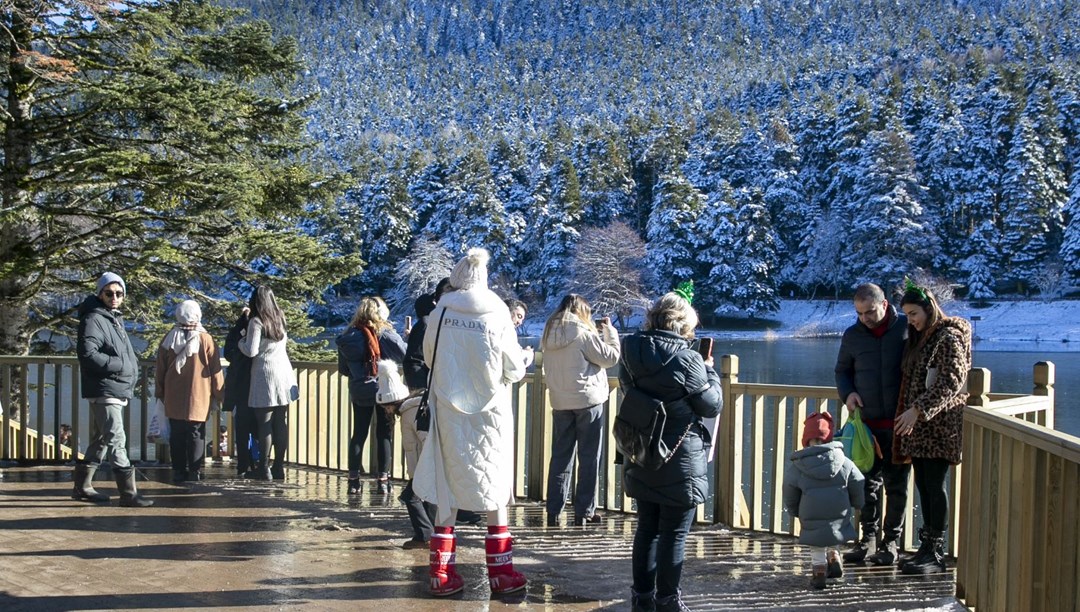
[(467, 461)]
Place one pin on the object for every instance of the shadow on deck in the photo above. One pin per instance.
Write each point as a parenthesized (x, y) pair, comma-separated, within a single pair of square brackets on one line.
[(305, 544)]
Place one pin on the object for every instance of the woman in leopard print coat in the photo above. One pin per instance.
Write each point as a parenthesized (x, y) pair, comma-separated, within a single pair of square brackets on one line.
[(930, 414)]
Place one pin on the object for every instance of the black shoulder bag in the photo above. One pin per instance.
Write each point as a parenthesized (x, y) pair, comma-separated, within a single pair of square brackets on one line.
[(639, 428), (423, 413)]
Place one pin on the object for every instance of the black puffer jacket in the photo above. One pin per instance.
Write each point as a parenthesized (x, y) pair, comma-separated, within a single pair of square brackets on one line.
[(871, 366), (663, 365), (108, 366), (238, 375), (353, 361)]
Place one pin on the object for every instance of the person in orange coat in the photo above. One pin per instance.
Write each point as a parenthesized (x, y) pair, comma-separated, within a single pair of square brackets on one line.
[(189, 380)]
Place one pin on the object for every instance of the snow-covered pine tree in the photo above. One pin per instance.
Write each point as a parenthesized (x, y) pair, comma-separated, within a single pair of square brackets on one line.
[(1029, 200), (756, 260), (890, 235), (671, 238)]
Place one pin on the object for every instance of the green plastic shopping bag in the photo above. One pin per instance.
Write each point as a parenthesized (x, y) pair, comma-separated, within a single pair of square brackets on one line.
[(859, 444)]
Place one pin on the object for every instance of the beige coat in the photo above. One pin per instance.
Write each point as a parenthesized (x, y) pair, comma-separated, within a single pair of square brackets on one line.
[(576, 358), (187, 393)]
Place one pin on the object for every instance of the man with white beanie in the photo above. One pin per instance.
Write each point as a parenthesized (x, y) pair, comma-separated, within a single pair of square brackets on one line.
[(467, 460), (108, 370)]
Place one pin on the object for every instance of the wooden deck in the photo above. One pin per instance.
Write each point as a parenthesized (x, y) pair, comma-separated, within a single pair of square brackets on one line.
[(303, 544)]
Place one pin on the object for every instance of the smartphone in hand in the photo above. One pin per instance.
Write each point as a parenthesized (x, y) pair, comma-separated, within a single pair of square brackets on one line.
[(704, 346)]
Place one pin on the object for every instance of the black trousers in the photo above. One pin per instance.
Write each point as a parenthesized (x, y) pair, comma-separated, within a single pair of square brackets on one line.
[(243, 428), (384, 438), (187, 445), (930, 476), (892, 480), (273, 430), (421, 513)]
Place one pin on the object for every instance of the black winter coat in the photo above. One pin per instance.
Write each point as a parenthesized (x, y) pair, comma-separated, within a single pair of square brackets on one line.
[(353, 361), (664, 366), (238, 374), (871, 366), (108, 366)]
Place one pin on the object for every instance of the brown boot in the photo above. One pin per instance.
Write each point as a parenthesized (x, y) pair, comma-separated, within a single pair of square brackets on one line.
[(817, 579)]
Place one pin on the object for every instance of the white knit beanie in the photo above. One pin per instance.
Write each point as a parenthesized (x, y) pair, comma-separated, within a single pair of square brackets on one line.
[(391, 386), (107, 279), (471, 271)]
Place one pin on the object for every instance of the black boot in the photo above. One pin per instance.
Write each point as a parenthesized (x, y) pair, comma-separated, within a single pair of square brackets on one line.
[(886, 554), (129, 496), (866, 546), (671, 603), (920, 554), (84, 489), (933, 561)]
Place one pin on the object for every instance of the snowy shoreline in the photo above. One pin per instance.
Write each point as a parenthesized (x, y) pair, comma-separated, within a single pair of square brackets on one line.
[(1002, 326), (1053, 326)]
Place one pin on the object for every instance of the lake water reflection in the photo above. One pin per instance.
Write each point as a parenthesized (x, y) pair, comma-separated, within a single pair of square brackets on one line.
[(810, 361)]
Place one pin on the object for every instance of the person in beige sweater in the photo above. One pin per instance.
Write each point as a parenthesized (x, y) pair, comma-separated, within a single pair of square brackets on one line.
[(577, 353), (188, 379)]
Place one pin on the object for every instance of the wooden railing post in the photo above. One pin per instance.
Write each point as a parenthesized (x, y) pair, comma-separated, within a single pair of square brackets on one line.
[(1045, 376), (728, 475), (538, 419), (978, 387)]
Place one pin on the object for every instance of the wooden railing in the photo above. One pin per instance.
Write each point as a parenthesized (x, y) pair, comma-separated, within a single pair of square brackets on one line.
[(1019, 539), (1013, 511)]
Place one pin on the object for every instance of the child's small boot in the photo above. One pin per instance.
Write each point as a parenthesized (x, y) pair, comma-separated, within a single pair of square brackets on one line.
[(500, 561), (444, 577), (834, 569), (817, 579)]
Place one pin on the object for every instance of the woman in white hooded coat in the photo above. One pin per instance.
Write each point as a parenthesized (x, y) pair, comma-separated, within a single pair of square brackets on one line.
[(468, 458)]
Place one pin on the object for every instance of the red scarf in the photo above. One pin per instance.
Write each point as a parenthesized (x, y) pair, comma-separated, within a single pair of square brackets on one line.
[(372, 349)]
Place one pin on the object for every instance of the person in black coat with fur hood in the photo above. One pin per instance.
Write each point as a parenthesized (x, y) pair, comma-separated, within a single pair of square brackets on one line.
[(661, 362)]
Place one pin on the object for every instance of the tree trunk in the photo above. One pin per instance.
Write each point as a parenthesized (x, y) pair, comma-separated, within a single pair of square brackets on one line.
[(19, 220)]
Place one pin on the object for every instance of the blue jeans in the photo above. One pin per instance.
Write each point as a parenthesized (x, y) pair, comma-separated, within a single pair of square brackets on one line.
[(659, 547), (111, 441), (581, 429)]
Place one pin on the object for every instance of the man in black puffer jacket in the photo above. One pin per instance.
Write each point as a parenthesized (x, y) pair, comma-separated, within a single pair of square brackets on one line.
[(661, 363), (108, 370), (868, 379)]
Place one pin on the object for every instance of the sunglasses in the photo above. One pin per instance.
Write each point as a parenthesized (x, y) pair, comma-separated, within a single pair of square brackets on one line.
[(109, 294)]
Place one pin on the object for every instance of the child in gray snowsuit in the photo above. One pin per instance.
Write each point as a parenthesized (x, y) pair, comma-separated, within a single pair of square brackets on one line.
[(821, 489)]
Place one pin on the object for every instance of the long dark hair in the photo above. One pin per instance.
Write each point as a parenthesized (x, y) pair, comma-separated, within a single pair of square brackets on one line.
[(264, 306), (924, 298)]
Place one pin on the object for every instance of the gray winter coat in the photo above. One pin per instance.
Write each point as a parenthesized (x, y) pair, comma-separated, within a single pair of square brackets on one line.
[(871, 366), (108, 367), (822, 488), (663, 365)]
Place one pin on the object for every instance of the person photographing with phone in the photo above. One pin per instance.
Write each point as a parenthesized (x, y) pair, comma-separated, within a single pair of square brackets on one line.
[(577, 353)]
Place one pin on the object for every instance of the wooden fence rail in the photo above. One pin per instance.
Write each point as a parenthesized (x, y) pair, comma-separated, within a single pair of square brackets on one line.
[(1016, 497)]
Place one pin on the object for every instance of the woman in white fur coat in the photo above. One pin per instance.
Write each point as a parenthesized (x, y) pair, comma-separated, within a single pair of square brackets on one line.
[(468, 459)]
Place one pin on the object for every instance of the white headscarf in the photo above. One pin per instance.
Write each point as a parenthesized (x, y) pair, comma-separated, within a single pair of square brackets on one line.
[(185, 339)]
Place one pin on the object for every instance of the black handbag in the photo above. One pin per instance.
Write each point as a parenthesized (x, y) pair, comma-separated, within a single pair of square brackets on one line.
[(639, 428), (423, 412)]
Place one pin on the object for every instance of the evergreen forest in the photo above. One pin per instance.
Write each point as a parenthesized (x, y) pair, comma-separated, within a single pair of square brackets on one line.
[(764, 148)]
